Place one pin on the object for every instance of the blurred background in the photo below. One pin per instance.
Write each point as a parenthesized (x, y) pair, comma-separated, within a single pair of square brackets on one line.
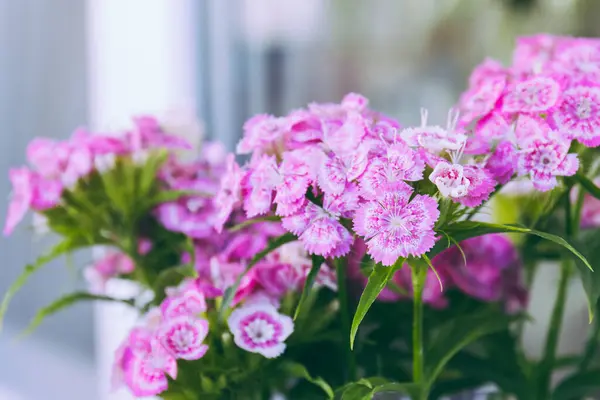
[(67, 63)]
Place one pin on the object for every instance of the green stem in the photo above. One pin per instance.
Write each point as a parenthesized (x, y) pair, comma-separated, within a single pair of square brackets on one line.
[(418, 280), (340, 267), (591, 346), (549, 358)]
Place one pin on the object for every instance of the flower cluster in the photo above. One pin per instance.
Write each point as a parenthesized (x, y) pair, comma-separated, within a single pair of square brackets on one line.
[(59, 165), (177, 328), (529, 113)]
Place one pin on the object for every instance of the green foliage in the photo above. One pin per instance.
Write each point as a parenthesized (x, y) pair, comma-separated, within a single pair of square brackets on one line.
[(67, 245), (376, 283), (67, 301), (310, 281)]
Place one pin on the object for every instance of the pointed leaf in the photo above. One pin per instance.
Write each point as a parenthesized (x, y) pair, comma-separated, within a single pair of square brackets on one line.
[(273, 245), (468, 229), (459, 333), (411, 389), (147, 172), (377, 282), (67, 301), (588, 185), (578, 386), (166, 196), (61, 248), (297, 370), (317, 261)]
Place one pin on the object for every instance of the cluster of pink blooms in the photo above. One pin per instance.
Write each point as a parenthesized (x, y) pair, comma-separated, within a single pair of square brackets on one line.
[(334, 170), (176, 330), (531, 111), (486, 268), (57, 165)]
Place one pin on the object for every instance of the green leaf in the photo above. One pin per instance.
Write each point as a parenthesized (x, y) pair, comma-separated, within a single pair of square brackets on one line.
[(66, 301), (355, 391), (377, 282), (457, 334), (588, 185), (578, 386), (590, 280), (250, 222), (166, 196), (273, 245), (455, 386), (413, 390), (297, 370), (61, 248), (317, 261), (468, 229), (147, 172)]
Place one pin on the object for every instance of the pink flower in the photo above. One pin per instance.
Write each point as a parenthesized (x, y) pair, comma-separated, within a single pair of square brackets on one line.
[(144, 246), (354, 101), (336, 171), (21, 198), (533, 95), (189, 302), (229, 194), (145, 372), (193, 216), (481, 185), (289, 181), (579, 115), (450, 180), (319, 229), (493, 126), (481, 99), (435, 138), (545, 158), (394, 227), (47, 156), (533, 52), (278, 278), (113, 264), (590, 212), (502, 164), (224, 274), (488, 69), (261, 133), (343, 137), (579, 60), (183, 337), (389, 172), (259, 328)]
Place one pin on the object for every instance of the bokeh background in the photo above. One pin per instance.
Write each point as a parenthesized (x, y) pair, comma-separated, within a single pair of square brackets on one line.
[(67, 63)]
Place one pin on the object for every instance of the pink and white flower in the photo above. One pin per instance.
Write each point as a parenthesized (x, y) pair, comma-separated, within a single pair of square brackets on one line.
[(146, 371), (435, 138), (229, 194), (450, 180), (578, 117), (533, 95), (545, 158), (259, 328), (394, 227), (389, 172), (319, 229), (188, 302), (183, 337)]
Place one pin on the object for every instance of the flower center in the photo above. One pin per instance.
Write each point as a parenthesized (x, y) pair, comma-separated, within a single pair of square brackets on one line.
[(584, 108), (260, 331)]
